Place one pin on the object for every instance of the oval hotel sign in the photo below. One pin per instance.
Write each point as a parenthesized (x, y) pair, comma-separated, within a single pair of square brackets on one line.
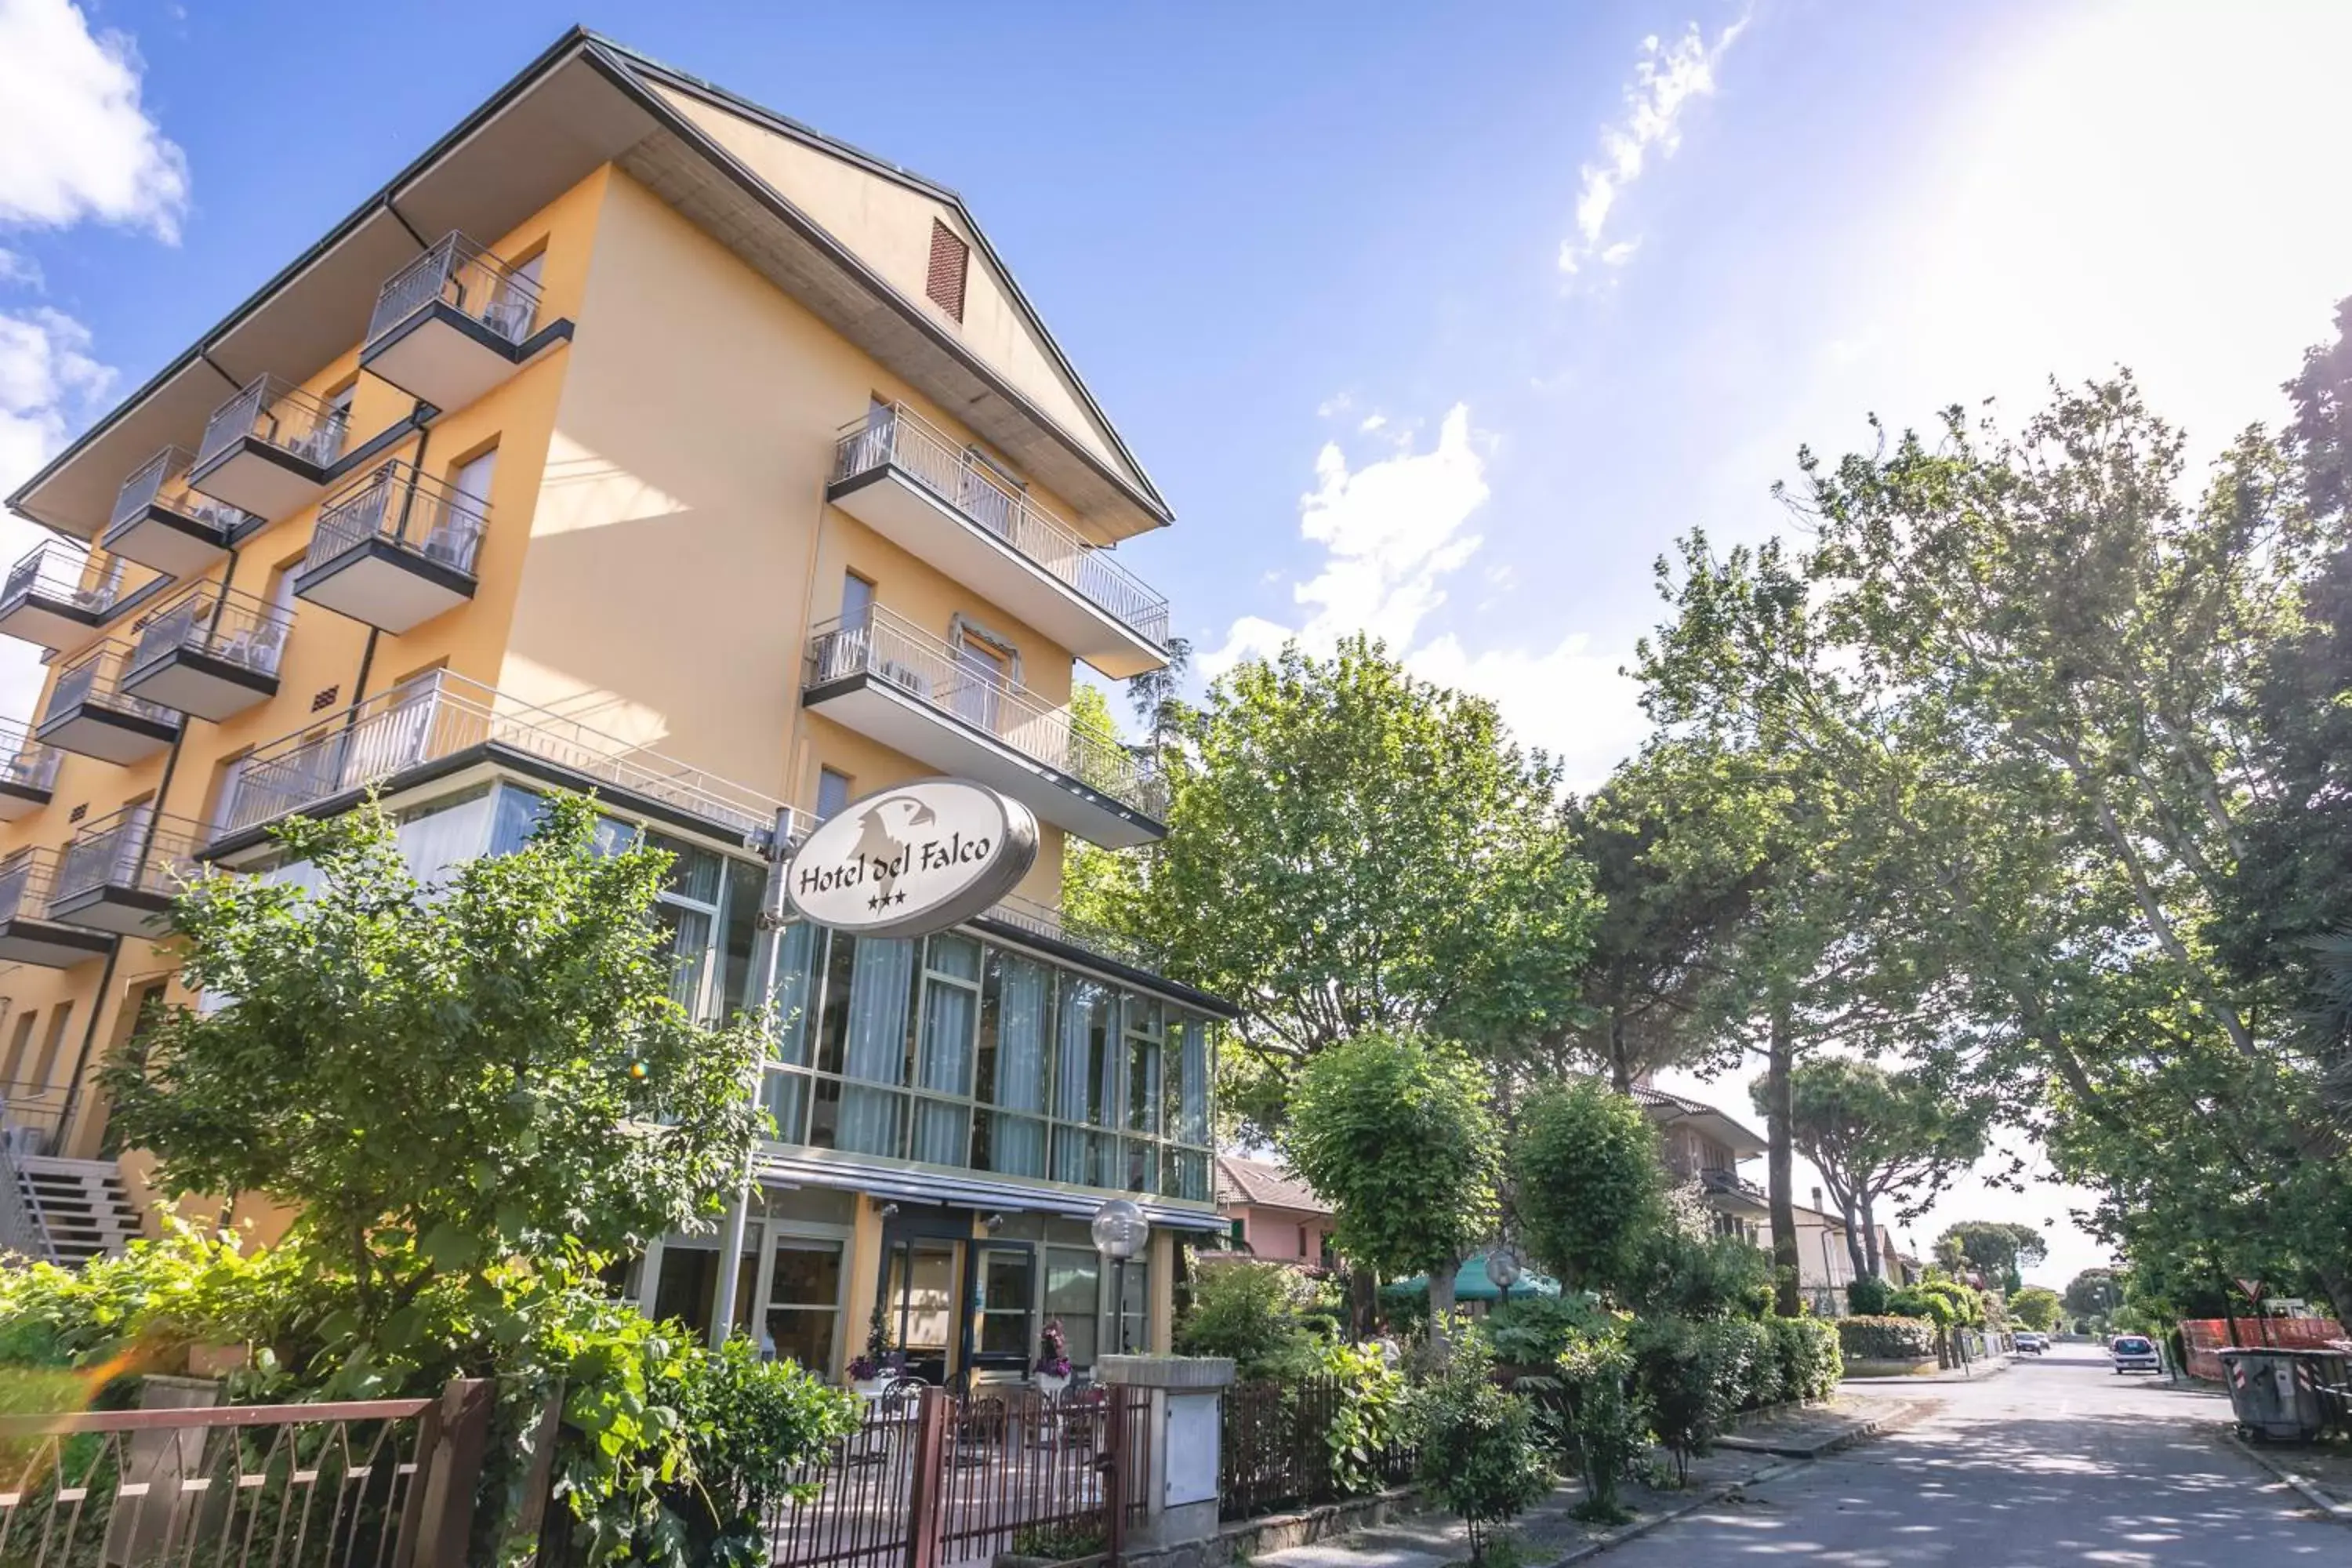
[(915, 857)]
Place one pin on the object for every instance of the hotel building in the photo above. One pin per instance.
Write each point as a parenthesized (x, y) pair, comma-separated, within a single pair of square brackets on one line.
[(636, 439)]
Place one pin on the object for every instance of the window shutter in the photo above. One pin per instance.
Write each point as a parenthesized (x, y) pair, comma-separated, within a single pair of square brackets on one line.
[(949, 260)]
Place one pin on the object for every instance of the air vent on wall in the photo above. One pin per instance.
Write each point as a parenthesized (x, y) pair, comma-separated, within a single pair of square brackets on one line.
[(951, 259)]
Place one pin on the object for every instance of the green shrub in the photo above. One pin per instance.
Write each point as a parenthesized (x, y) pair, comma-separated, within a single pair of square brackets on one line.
[(1059, 1543), (1253, 1313), (750, 1425), (1701, 1277), (1368, 1417), (1807, 1350), (1479, 1460), (1531, 1330), (1886, 1339), (1680, 1374), (1866, 1297), (1747, 1371), (1606, 1423)]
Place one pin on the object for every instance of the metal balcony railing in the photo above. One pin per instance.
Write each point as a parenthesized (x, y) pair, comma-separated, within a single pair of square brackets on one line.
[(25, 761), (283, 415), (396, 503), (467, 279), (1057, 925), (97, 676), (25, 884), (131, 850), (898, 437), (163, 482), (206, 618), (64, 573), (444, 714), (887, 648)]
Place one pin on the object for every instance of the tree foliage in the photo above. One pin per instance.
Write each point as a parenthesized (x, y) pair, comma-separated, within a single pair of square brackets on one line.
[(1999, 1249), (1586, 1182), (1873, 1135), (2037, 1307), (440, 1077)]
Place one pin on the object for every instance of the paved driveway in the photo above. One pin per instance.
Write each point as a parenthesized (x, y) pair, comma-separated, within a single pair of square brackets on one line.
[(2056, 1464)]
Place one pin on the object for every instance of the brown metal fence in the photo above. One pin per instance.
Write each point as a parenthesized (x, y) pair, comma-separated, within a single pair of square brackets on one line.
[(932, 1478), (386, 1483), (1275, 1451)]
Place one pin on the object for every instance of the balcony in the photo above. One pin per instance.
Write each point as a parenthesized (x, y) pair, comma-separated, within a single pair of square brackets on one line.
[(394, 549), (935, 499), (452, 324), (28, 771), (896, 684), (270, 449), (60, 596), (209, 652), (26, 936), (435, 726), (91, 715), (119, 874), (159, 522), (1730, 1190)]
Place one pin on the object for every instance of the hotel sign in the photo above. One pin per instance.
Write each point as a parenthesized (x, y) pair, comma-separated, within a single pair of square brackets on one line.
[(915, 857)]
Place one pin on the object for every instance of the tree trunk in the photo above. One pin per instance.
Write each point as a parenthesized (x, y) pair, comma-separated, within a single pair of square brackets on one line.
[(1870, 1248), (1781, 1163), (1621, 1068), (2338, 1286), (1363, 1301)]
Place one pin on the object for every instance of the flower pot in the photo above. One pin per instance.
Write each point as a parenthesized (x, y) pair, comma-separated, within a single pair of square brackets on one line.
[(1051, 1385)]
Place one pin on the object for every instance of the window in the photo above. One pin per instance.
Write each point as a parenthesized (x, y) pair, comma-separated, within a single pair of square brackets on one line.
[(805, 1302), (51, 1044), (19, 1043), (983, 672), (1004, 1297), (832, 794), (1303, 1250), (688, 1281), (951, 259), (1134, 1330), (471, 480), (1073, 1295), (857, 602)]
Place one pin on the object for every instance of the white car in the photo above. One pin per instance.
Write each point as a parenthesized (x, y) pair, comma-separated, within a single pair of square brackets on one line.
[(2133, 1353), (2032, 1345)]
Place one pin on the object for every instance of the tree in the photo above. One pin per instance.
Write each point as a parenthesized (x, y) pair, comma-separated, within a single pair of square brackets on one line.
[(441, 1077), (2037, 1307), (1395, 1133), (1586, 1182), (1351, 851), (2093, 1293), (1998, 1249), (1874, 1134)]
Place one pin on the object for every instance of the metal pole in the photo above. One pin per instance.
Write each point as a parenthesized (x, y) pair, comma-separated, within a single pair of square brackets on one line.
[(1119, 1299), (768, 946)]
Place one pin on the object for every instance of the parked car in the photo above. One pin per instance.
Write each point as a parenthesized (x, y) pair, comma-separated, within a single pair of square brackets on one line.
[(2133, 1353), (2032, 1343)]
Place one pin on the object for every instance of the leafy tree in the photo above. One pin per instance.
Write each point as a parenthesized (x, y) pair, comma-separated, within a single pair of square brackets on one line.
[(440, 1077), (1396, 1133), (1353, 850), (1254, 1314), (2093, 1293), (1586, 1182), (2037, 1307), (1997, 1249), (1478, 1458), (1874, 1134)]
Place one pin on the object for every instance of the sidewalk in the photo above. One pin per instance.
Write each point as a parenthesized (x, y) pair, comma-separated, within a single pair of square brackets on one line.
[(2321, 1474), (1976, 1372), (1545, 1537)]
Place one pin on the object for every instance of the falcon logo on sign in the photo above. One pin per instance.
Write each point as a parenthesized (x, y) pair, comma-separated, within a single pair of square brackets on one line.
[(915, 857)]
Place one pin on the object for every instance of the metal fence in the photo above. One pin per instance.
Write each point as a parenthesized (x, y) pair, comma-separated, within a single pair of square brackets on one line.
[(2203, 1338), (1274, 1450), (386, 1483)]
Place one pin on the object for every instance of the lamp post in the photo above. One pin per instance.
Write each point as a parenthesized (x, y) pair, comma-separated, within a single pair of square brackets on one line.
[(1503, 1269), (1120, 1232)]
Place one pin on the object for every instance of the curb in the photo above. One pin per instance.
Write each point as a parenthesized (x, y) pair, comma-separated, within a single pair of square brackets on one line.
[(1788, 1464), (2341, 1512)]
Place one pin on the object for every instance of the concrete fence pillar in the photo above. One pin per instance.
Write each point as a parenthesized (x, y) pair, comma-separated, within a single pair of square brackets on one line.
[(1186, 1423)]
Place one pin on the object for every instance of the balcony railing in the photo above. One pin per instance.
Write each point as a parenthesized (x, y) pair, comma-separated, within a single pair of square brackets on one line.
[(131, 851), (24, 762), (221, 623), (65, 574), (25, 884), (469, 280), (444, 714), (163, 482), (898, 437), (887, 648), (280, 415), (1059, 925), (96, 678), (396, 504)]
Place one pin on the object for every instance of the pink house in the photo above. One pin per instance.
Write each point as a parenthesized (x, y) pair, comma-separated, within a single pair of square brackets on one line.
[(1275, 1216)]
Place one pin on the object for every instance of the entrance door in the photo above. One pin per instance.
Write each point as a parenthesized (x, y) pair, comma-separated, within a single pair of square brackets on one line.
[(998, 1337), (919, 1293)]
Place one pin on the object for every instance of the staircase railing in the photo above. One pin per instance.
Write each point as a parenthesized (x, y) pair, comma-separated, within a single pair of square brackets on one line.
[(21, 1229)]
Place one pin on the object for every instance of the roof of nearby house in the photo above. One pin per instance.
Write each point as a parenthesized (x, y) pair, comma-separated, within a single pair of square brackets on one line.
[(1264, 1184), (1734, 1134)]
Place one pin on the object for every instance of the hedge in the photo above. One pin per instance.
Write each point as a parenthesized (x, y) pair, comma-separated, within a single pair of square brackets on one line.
[(1886, 1338), (1807, 1350)]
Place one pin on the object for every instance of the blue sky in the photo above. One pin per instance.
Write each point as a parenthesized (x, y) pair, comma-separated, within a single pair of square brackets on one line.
[(1312, 258)]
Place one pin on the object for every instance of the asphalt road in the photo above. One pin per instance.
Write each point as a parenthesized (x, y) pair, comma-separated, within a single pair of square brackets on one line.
[(2056, 1462)]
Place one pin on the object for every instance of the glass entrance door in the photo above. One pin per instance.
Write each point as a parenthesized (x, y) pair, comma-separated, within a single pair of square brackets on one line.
[(920, 1294)]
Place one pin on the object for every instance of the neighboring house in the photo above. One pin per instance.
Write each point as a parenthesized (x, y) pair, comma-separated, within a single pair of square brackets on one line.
[(636, 439), (1824, 1261), (1275, 1216), (1703, 1145)]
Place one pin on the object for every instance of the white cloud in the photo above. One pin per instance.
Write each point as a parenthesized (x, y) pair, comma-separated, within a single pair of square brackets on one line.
[(1393, 533), (17, 268), (1667, 77), (75, 142), (49, 383), (1372, 422)]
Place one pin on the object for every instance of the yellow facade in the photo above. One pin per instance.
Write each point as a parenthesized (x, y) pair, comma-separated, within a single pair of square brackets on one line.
[(659, 547)]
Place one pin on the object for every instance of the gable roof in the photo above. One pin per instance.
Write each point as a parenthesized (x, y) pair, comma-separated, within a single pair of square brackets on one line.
[(1731, 1132), (1262, 1184), (584, 103)]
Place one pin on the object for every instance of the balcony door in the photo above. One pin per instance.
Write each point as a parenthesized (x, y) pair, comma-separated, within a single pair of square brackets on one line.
[(982, 676)]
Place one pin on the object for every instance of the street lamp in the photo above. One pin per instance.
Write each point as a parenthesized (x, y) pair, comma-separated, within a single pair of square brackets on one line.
[(1503, 1269), (1120, 1232)]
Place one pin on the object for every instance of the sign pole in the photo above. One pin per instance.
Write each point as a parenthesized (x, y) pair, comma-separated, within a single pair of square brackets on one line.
[(769, 945)]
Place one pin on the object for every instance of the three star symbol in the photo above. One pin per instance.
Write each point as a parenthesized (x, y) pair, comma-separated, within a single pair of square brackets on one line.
[(881, 901)]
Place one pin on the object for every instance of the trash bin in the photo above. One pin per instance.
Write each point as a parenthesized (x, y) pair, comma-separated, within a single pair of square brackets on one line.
[(2274, 1393)]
